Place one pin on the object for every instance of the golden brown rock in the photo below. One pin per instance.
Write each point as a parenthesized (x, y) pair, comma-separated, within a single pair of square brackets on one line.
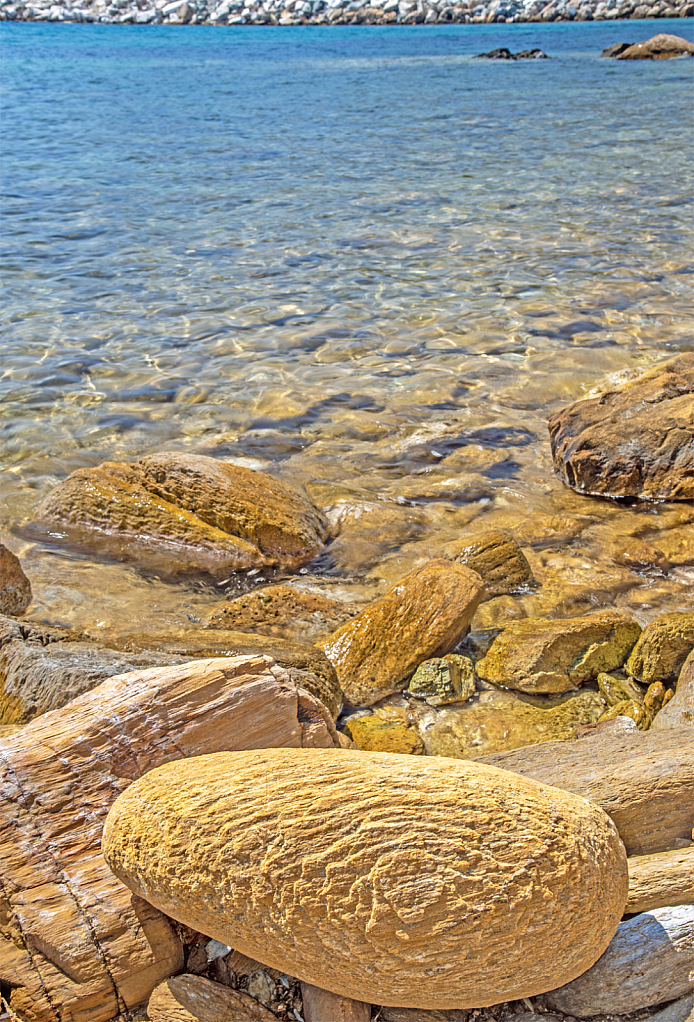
[(666, 878), (373, 734), (498, 559), (15, 590), (308, 666), (643, 780), (659, 47), (195, 999), (679, 711), (280, 610), (424, 615), (321, 1006), (662, 648), (635, 441), (184, 511), (71, 935), (375, 875), (557, 654)]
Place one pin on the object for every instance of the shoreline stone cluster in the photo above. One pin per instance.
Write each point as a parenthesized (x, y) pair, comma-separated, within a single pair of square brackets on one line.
[(338, 12), (222, 824)]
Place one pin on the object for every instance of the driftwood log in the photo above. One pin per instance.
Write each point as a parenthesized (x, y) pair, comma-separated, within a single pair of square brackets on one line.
[(644, 780), (75, 945), (666, 878)]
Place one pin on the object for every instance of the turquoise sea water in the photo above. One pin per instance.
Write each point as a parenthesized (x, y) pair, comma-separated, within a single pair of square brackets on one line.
[(314, 248)]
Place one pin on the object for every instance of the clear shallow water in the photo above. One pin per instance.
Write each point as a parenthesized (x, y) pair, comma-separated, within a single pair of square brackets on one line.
[(327, 253)]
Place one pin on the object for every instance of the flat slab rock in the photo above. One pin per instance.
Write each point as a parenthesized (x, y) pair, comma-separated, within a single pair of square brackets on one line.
[(183, 512), (644, 780), (196, 999), (656, 881), (372, 874), (72, 933), (635, 441), (649, 960), (554, 655)]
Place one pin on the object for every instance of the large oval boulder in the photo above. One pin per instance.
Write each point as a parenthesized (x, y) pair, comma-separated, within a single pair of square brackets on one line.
[(659, 47), (636, 441), (424, 615), (186, 511), (385, 878)]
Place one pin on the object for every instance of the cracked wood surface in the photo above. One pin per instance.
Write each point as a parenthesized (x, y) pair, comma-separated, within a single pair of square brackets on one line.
[(75, 945)]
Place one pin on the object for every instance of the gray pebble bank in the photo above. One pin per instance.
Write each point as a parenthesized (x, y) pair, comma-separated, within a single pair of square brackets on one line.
[(337, 12)]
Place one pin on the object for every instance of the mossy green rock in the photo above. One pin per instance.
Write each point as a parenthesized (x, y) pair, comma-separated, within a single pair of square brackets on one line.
[(552, 655), (662, 649), (373, 734), (499, 721), (442, 680)]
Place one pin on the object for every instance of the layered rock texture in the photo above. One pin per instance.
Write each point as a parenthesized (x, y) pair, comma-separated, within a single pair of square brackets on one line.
[(679, 712), (280, 610), (656, 881), (338, 12), (195, 999), (186, 512), (70, 933), (662, 649), (375, 876), (424, 615), (15, 589), (558, 654), (497, 558), (636, 441)]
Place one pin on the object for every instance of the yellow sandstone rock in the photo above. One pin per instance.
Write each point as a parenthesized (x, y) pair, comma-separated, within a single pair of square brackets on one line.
[(424, 615), (387, 879)]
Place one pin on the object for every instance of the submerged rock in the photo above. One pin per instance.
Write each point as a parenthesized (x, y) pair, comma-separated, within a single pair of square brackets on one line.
[(447, 679), (186, 512), (281, 610), (375, 875), (499, 721), (374, 734), (557, 654), (498, 559), (662, 649), (649, 960), (424, 615), (636, 441), (15, 588), (658, 47), (502, 53)]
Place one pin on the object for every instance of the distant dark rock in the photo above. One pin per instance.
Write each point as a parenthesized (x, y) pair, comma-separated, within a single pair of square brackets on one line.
[(502, 53), (615, 49)]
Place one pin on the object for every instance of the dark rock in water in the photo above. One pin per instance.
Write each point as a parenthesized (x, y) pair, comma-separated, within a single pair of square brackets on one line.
[(635, 441), (658, 47), (15, 590), (615, 49), (502, 53)]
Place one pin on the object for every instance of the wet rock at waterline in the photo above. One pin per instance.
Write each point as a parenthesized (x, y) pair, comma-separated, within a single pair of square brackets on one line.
[(679, 712), (659, 47), (374, 734), (649, 960), (498, 559), (196, 999), (557, 654), (307, 665), (79, 939), (502, 53), (635, 441), (15, 588), (499, 721), (183, 512), (448, 679), (662, 649), (643, 780), (281, 610), (424, 615), (372, 875)]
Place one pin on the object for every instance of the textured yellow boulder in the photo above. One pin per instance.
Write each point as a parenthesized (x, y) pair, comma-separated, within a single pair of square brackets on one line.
[(424, 615), (557, 654), (373, 734), (186, 511), (385, 878)]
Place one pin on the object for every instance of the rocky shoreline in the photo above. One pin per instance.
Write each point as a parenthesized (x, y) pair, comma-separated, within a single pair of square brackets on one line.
[(348, 814), (338, 12)]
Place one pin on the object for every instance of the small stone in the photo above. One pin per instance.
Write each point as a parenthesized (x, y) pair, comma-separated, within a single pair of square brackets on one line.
[(323, 1006), (196, 999), (630, 708), (373, 734), (15, 589), (616, 690), (448, 679), (662, 648), (557, 654), (497, 558), (678, 711)]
